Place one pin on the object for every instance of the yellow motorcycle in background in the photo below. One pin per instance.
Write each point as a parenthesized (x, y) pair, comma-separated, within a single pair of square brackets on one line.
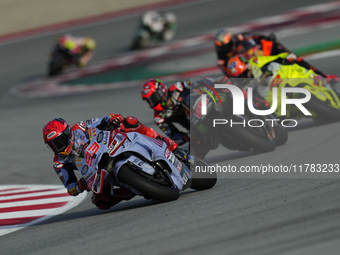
[(324, 103)]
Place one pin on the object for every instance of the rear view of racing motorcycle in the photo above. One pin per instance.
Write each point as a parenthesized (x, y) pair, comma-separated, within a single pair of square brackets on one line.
[(248, 132), (154, 27), (324, 103), (140, 164), (70, 50), (60, 58)]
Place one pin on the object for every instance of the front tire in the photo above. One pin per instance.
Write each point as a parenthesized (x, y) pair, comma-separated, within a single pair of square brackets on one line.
[(146, 186), (244, 138)]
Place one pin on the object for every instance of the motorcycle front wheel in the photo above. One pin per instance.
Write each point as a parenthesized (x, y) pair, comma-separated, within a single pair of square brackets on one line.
[(144, 184)]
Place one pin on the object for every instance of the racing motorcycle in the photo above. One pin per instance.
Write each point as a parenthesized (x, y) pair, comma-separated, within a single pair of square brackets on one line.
[(139, 163), (143, 38), (154, 27), (324, 104), (263, 134), (61, 58)]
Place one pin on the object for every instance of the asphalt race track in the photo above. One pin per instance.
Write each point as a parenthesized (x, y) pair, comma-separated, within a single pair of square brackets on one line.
[(238, 216)]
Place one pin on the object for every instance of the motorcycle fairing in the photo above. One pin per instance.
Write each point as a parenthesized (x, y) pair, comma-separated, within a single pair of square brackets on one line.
[(98, 181), (152, 150), (301, 77)]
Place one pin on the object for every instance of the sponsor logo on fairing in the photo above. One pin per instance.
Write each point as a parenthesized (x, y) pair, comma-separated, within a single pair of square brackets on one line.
[(179, 86), (176, 95), (105, 138), (118, 140), (100, 137), (185, 179), (167, 153), (84, 169), (57, 165), (81, 125), (179, 166)]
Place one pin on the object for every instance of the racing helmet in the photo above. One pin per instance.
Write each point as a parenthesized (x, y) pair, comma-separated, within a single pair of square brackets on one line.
[(58, 136), (155, 93), (223, 41), (238, 67)]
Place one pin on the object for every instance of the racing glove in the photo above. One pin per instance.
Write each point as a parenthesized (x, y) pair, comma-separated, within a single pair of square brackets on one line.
[(81, 185), (110, 122), (130, 124)]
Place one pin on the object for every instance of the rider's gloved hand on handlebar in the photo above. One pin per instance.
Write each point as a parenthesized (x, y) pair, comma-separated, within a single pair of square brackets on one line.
[(110, 122), (171, 144), (115, 119), (81, 185)]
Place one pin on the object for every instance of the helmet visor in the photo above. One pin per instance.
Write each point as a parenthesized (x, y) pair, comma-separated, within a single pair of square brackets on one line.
[(155, 98), (61, 142)]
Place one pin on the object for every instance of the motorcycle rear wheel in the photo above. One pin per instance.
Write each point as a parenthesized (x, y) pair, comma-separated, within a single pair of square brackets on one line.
[(246, 139), (281, 135), (146, 186)]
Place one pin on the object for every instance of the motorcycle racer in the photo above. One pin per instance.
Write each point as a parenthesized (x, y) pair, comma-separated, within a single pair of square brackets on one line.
[(228, 45), (168, 107), (163, 25), (267, 70), (172, 105), (81, 48), (68, 144)]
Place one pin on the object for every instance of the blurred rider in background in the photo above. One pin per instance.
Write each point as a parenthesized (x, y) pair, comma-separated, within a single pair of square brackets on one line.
[(167, 104), (163, 26), (81, 48), (69, 144), (228, 45)]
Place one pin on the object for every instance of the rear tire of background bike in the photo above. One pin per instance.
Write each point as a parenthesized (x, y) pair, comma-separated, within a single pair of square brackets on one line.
[(203, 180), (145, 186), (136, 44), (281, 135), (251, 139), (323, 110)]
